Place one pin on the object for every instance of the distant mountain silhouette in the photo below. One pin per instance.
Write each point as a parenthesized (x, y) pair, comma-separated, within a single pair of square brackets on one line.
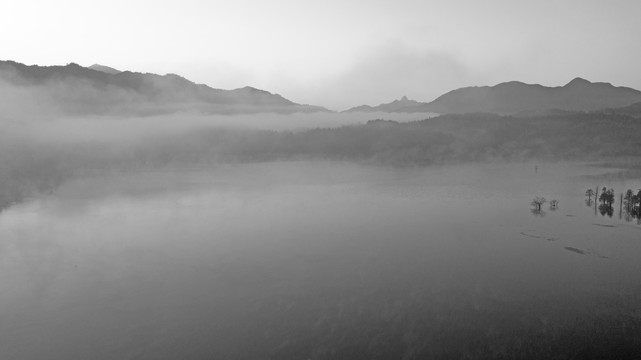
[(102, 90), (519, 98), (513, 97), (104, 69), (402, 105)]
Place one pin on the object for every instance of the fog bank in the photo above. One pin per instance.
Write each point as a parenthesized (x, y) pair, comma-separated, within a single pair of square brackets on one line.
[(84, 128)]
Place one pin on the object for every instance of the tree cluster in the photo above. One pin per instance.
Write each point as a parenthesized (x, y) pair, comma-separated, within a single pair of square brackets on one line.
[(607, 196), (630, 202)]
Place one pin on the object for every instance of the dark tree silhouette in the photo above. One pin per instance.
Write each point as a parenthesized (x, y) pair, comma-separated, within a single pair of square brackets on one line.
[(601, 197), (607, 196), (635, 205), (629, 204), (606, 209), (589, 193), (537, 202)]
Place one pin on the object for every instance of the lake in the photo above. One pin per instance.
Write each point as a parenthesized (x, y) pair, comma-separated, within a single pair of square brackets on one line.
[(321, 260)]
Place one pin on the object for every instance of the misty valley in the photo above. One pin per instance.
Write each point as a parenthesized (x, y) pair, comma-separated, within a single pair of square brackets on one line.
[(145, 216)]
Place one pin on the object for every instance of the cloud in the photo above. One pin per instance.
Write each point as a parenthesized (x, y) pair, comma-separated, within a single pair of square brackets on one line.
[(388, 73)]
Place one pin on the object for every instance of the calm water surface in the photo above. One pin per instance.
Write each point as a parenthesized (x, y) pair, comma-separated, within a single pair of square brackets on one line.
[(314, 260)]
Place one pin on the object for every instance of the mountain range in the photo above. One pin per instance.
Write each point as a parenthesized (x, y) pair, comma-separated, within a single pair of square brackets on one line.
[(516, 97), (98, 89)]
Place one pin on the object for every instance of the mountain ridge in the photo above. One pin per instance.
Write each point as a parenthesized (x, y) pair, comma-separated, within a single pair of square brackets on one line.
[(105, 69), (82, 90), (400, 105), (99, 89), (515, 97)]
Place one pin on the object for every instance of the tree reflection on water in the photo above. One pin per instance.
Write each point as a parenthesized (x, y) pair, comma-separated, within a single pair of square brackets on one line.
[(629, 203), (537, 212), (606, 209)]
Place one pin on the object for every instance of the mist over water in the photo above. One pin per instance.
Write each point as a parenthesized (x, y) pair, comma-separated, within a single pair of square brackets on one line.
[(33, 110), (313, 260), (118, 127), (194, 195), (314, 235)]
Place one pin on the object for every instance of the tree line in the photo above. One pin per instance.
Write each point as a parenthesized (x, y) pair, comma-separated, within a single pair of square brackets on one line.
[(628, 201)]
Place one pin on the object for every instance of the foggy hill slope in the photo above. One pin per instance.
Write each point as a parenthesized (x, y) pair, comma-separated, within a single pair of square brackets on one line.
[(446, 139), (461, 138), (73, 89), (633, 110)]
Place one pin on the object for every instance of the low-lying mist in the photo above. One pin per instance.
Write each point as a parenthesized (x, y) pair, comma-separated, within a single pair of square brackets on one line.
[(39, 147), (37, 154), (110, 128)]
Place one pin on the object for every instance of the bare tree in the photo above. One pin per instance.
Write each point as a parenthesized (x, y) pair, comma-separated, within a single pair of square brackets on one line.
[(537, 202)]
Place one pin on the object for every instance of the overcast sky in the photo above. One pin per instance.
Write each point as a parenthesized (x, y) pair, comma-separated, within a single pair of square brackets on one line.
[(336, 54)]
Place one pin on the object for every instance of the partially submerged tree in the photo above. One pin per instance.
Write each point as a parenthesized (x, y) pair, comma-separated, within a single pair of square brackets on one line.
[(633, 203), (537, 202), (629, 196), (607, 196), (589, 193)]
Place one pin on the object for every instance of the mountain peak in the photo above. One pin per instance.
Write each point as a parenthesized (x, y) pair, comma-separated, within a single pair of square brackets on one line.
[(403, 101), (104, 69), (249, 88), (401, 105), (578, 81)]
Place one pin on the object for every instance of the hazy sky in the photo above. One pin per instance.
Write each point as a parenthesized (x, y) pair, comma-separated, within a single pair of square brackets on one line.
[(336, 53)]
